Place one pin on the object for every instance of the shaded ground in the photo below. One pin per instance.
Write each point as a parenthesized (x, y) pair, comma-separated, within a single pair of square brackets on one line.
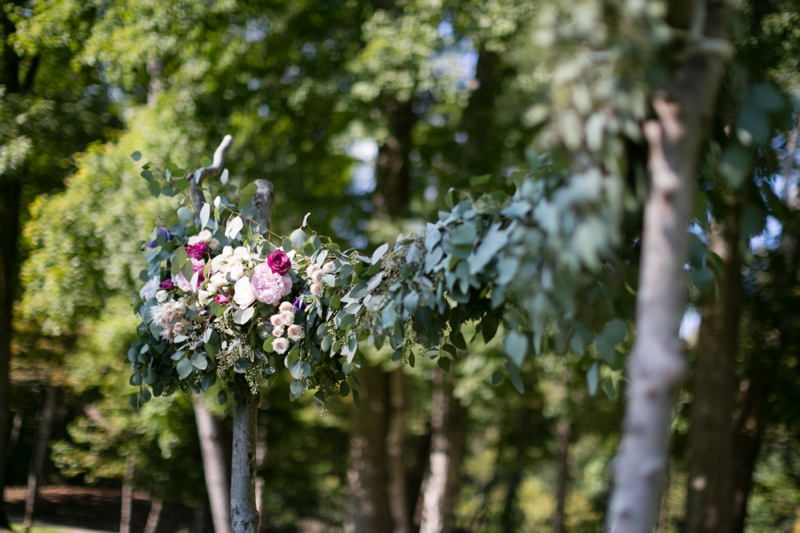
[(99, 509)]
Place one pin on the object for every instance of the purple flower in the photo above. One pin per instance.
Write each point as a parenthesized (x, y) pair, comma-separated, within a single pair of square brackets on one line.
[(196, 251), (167, 285), (299, 305), (152, 243), (279, 262)]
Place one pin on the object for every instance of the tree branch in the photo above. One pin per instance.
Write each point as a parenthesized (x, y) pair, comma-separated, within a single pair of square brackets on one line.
[(197, 177)]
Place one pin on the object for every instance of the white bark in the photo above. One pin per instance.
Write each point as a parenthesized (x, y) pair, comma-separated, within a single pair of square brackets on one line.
[(154, 516), (657, 365), (395, 457), (127, 496), (244, 517), (215, 467)]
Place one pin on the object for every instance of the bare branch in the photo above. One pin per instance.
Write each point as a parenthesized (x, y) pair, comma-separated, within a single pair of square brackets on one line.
[(217, 164)]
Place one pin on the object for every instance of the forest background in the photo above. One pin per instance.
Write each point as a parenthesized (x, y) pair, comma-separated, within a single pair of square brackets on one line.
[(365, 114)]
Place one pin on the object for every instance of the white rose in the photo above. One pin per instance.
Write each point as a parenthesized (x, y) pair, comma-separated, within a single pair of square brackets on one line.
[(316, 289), (280, 345), (227, 251), (194, 239), (242, 253), (328, 267), (275, 320), (243, 293), (236, 271), (277, 331), (286, 306), (204, 236), (219, 279), (287, 318), (161, 296), (214, 244), (211, 287), (203, 297), (295, 332)]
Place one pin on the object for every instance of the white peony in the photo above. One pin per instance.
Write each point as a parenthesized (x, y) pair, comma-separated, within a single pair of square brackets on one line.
[(243, 293)]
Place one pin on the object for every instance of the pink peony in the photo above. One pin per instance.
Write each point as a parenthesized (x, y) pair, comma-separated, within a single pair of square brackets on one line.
[(279, 262), (183, 283), (269, 286)]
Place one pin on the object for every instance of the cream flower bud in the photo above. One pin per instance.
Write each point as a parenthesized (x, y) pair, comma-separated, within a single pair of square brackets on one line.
[(311, 269), (317, 277), (286, 306), (161, 296), (179, 329), (277, 331), (275, 320), (328, 267), (316, 289), (287, 318), (242, 253), (280, 345), (295, 332), (213, 244), (204, 236)]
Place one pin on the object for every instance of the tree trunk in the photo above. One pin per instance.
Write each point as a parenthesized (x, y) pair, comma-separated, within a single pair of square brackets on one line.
[(211, 432), (127, 496), (244, 516), (439, 487), (708, 498), (16, 427), (392, 170), (657, 364), (395, 453), (368, 502), (40, 455), (153, 516), (261, 463), (562, 468)]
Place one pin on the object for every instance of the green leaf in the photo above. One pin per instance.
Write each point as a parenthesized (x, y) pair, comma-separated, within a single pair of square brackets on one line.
[(167, 191), (298, 238), (154, 188), (199, 361), (379, 253), (593, 378), (463, 235), (703, 278), (222, 397), (497, 377), (444, 364), (136, 156), (246, 315), (736, 164), (516, 378), (615, 331), (489, 326), (606, 351), (184, 214), (448, 198), (184, 368), (480, 180), (286, 244), (205, 214), (755, 123), (516, 347)]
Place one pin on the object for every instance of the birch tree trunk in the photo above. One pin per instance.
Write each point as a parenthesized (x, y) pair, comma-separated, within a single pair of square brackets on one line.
[(709, 499), (657, 364), (154, 516), (42, 446), (215, 465), (244, 516), (127, 496), (439, 487)]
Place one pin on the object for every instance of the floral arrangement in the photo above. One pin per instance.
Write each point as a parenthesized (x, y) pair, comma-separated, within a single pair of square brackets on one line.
[(222, 302)]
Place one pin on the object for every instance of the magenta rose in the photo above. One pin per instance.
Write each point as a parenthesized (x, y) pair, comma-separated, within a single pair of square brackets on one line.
[(279, 262), (196, 251), (167, 285)]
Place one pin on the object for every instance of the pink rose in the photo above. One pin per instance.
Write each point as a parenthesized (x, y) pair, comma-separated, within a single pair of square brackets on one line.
[(279, 262), (269, 286), (220, 299)]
